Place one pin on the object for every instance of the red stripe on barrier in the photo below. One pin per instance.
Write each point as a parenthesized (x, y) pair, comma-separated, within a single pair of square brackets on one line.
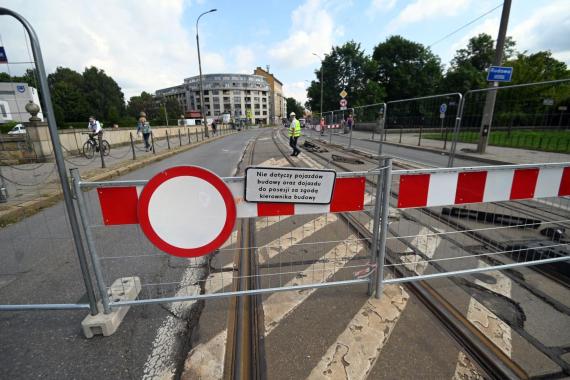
[(348, 194), (470, 187), (524, 183), (413, 190), (275, 209), (118, 205), (564, 183)]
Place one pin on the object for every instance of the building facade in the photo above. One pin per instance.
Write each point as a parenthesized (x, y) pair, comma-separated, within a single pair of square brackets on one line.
[(239, 95), (13, 100), (278, 104)]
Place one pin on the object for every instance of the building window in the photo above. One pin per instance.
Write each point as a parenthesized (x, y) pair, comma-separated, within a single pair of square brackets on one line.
[(215, 92), (237, 99), (256, 99), (265, 112), (205, 92), (256, 106)]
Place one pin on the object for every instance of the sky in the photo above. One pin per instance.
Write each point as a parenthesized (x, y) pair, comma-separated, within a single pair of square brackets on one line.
[(146, 45)]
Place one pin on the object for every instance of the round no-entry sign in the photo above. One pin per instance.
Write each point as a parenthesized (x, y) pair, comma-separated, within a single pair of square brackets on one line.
[(187, 211), (343, 102)]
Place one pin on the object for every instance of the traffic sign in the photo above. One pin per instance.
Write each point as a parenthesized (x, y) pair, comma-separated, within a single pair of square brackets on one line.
[(562, 108), (343, 108), (548, 102), (442, 115), (343, 102), (343, 94), (187, 211), (443, 108), (499, 74), (289, 185)]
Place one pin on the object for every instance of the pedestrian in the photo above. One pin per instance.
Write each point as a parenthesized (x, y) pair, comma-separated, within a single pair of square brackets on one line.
[(294, 133), (349, 122), (143, 126), (95, 130), (214, 126), (322, 125)]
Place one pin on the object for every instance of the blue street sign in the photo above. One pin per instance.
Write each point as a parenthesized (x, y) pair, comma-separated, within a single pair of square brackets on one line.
[(3, 58), (443, 108), (499, 74)]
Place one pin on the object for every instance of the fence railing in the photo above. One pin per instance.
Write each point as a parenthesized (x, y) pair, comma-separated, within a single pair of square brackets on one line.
[(531, 116)]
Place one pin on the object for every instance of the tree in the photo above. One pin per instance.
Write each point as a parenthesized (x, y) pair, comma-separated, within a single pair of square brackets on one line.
[(173, 108), (469, 66), (406, 69), (348, 68), (102, 93), (294, 106), (68, 95), (146, 103)]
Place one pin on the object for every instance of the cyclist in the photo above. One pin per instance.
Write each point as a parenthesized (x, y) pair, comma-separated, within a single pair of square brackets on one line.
[(94, 130)]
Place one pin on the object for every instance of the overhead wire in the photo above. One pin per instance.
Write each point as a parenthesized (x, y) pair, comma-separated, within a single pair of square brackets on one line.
[(465, 25)]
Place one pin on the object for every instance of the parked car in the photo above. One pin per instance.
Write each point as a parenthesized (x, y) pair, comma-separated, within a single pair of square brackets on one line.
[(18, 129)]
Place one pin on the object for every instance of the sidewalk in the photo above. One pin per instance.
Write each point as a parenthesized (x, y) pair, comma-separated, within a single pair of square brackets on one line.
[(34, 186), (495, 155)]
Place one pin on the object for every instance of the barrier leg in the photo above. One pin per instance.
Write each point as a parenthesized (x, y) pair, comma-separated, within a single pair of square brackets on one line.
[(167, 140), (386, 184)]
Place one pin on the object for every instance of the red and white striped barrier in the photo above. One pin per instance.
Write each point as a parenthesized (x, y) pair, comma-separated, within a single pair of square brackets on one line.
[(468, 185), (119, 205)]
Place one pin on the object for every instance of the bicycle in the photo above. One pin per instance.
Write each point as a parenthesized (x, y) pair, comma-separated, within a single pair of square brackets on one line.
[(92, 145)]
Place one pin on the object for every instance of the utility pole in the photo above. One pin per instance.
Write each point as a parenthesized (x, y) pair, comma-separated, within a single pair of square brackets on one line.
[(487, 119), (202, 107)]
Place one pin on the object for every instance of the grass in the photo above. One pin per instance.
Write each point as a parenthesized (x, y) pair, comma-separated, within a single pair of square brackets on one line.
[(546, 141)]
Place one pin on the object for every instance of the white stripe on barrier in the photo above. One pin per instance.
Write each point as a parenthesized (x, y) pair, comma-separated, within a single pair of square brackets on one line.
[(442, 187), (498, 185), (545, 184)]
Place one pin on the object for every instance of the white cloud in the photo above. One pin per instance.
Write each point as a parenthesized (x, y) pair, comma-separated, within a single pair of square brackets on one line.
[(377, 6), (312, 30), (421, 10), (141, 44), (547, 28), (244, 59), (297, 90)]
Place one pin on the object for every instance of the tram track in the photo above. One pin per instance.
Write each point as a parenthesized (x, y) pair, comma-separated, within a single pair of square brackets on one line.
[(486, 242), (244, 357), (476, 345)]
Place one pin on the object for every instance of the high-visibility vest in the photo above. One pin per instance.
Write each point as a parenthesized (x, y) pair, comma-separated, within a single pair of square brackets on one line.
[(295, 128)]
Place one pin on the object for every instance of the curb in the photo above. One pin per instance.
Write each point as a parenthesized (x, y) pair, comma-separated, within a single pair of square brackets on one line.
[(16, 213), (444, 153)]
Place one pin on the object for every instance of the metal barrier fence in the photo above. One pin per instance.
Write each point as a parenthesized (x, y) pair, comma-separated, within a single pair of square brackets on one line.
[(297, 259), (520, 220), (532, 116), (417, 224)]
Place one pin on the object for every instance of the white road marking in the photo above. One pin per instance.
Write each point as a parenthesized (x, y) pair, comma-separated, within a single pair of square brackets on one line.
[(159, 364), (357, 348), (487, 322), (280, 305), (206, 360)]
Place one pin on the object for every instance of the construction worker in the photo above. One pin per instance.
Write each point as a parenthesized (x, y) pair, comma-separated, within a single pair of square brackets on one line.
[(294, 133)]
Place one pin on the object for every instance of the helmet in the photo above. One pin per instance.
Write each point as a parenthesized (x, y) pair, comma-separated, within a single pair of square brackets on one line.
[(292, 114)]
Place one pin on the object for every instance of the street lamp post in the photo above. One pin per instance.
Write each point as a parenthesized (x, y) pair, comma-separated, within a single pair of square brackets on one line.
[(200, 68), (318, 56)]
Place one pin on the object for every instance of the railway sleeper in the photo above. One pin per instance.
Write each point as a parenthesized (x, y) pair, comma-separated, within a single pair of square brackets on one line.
[(491, 217)]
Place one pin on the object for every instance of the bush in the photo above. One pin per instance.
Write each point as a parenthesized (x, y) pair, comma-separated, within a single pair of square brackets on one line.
[(6, 127)]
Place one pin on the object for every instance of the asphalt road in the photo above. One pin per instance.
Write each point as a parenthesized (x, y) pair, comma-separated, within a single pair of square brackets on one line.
[(421, 156), (38, 265)]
